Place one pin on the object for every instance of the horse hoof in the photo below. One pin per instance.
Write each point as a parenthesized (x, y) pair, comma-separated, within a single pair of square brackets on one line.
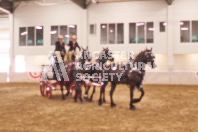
[(86, 96), (75, 100), (113, 105), (100, 103), (90, 100), (81, 100), (63, 98), (132, 108), (66, 95)]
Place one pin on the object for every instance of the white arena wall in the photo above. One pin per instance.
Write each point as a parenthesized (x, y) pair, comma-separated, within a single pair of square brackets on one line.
[(177, 62), (30, 14)]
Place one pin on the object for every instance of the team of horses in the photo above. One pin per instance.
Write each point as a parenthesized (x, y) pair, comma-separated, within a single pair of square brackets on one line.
[(131, 73)]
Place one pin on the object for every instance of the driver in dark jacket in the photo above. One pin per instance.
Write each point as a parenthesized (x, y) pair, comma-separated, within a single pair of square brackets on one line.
[(60, 46)]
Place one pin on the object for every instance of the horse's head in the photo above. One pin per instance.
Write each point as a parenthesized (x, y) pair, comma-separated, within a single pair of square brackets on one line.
[(85, 55), (150, 58), (105, 55), (146, 57)]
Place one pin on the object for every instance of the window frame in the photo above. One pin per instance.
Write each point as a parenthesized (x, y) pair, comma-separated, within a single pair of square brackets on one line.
[(145, 33), (34, 44), (68, 31), (35, 37), (20, 37), (190, 32), (116, 34), (58, 32), (165, 27), (94, 29)]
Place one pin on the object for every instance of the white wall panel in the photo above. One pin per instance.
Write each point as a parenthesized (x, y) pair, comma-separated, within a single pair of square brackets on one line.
[(127, 12)]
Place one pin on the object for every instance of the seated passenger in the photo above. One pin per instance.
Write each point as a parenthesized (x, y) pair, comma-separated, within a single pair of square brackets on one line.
[(60, 46), (73, 44)]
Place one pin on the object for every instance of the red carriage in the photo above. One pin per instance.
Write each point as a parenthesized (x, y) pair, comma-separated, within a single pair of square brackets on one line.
[(48, 75)]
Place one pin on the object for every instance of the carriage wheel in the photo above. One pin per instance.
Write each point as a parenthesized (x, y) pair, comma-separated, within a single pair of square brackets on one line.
[(42, 88), (49, 92)]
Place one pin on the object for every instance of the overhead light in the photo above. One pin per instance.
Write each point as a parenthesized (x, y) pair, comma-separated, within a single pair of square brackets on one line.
[(151, 29), (103, 26), (44, 3), (71, 26), (53, 32), (140, 24), (23, 33), (181, 23), (39, 27), (184, 29), (67, 36)]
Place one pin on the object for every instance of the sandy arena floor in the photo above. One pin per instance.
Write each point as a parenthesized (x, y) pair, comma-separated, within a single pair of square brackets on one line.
[(163, 109)]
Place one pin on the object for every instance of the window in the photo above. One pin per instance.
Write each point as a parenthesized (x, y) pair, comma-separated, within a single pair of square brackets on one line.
[(39, 35), (54, 34), (163, 26), (141, 32), (22, 34), (66, 31), (30, 36), (194, 31), (185, 31), (72, 30), (103, 38), (112, 33), (27, 36), (63, 31), (120, 33), (92, 29), (132, 33), (149, 32)]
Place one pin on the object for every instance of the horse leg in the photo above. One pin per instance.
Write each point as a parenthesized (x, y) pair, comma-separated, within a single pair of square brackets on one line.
[(132, 107), (91, 98), (78, 92), (104, 101), (86, 92), (101, 92), (63, 97), (80, 95), (142, 94), (113, 86), (68, 89), (75, 96)]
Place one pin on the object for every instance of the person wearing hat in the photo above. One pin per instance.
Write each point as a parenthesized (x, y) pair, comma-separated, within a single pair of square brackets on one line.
[(60, 46), (73, 44)]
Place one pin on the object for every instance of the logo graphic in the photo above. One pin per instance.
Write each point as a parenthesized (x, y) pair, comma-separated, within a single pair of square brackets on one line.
[(34, 75)]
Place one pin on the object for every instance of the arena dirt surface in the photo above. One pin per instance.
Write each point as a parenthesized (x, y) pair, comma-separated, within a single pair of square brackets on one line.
[(164, 108)]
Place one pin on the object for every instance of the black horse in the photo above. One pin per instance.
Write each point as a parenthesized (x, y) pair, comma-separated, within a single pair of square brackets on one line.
[(132, 76), (78, 68), (98, 68), (65, 73)]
